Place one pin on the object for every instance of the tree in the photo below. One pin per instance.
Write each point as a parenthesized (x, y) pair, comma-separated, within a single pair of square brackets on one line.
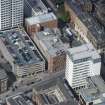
[(65, 17)]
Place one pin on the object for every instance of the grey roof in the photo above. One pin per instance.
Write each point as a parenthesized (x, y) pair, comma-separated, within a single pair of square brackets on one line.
[(83, 51), (3, 74), (90, 22), (95, 91), (44, 89), (16, 100), (41, 18), (49, 38), (37, 6), (21, 47)]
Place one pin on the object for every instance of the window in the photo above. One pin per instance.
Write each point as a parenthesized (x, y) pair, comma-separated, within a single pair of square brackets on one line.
[(97, 60), (91, 103)]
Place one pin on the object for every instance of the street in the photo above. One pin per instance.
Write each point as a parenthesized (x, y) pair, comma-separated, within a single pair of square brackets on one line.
[(24, 88)]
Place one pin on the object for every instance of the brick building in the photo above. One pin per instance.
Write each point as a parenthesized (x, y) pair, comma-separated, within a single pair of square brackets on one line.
[(37, 23), (52, 49)]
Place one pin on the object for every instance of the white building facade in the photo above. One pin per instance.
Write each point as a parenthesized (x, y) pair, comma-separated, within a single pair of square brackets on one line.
[(82, 62), (11, 13)]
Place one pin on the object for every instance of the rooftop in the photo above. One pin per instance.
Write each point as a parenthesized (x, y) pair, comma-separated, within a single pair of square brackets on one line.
[(50, 40), (54, 91), (3, 74), (20, 46), (16, 100), (37, 6), (91, 23), (41, 18), (95, 92), (83, 51)]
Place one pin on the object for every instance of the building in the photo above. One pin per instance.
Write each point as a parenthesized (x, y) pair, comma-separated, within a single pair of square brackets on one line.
[(100, 8), (17, 100), (95, 93), (53, 92), (87, 5), (82, 62), (34, 8), (11, 13), (52, 49), (36, 23), (3, 81), (19, 50), (86, 25)]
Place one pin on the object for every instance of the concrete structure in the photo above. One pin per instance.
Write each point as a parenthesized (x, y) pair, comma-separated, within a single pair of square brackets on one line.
[(3, 81), (11, 13), (53, 92), (86, 25), (52, 48), (19, 50), (95, 93), (34, 8), (82, 62), (36, 23), (17, 100)]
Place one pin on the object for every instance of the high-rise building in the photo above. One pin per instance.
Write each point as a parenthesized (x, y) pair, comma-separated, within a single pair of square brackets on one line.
[(82, 62), (11, 13)]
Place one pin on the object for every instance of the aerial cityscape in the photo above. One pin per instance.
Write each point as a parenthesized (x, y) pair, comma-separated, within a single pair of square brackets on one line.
[(52, 52)]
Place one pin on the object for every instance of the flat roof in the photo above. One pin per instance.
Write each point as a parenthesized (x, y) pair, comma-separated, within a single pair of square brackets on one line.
[(90, 22), (54, 91), (51, 42), (37, 6), (16, 100), (95, 91), (20, 46), (40, 18), (83, 51), (3, 74)]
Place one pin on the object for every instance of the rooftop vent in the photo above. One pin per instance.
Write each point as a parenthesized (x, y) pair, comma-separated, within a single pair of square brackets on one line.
[(55, 40), (46, 33)]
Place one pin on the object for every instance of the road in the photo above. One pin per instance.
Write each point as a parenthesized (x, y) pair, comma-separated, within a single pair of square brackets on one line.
[(25, 87)]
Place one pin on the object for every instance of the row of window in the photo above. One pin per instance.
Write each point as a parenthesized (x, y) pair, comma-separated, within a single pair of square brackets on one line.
[(82, 60)]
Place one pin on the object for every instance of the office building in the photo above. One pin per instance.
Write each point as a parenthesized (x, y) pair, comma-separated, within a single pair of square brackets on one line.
[(34, 8), (86, 25), (37, 23), (52, 49), (82, 62), (95, 93), (18, 100), (53, 92), (19, 50), (11, 13), (3, 81)]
